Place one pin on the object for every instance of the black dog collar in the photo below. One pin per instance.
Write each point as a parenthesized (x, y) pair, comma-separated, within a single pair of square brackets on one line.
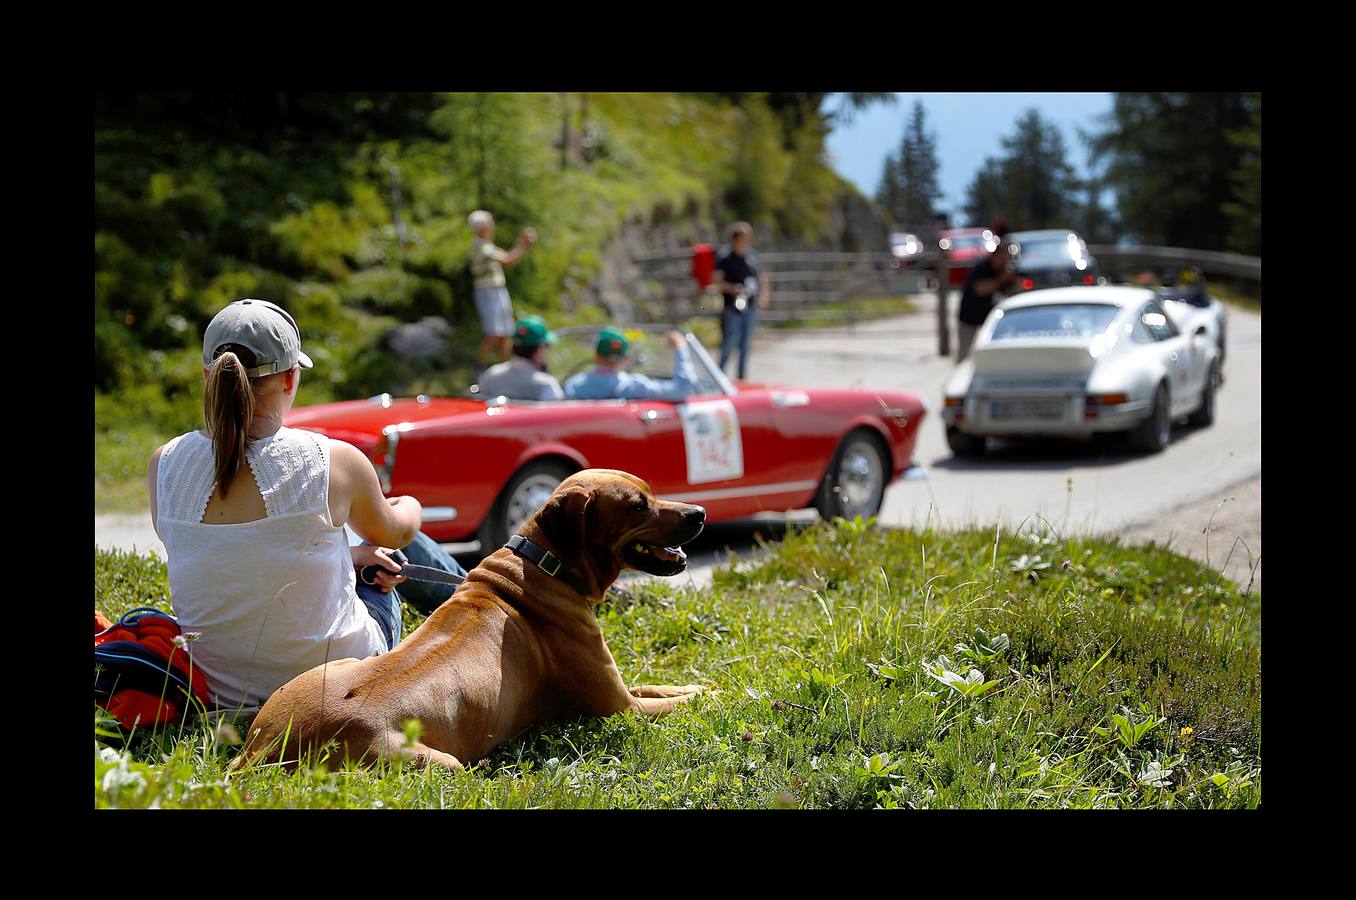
[(547, 561)]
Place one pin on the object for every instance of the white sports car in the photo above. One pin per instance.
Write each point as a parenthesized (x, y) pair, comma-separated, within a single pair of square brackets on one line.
[(1191, 309), (1075, 361)]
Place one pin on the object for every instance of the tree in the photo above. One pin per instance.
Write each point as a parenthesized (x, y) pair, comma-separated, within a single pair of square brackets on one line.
[(1172, 159), (1245, 210), (985, 198), (796, 109), (908, 190), (1032, 184)]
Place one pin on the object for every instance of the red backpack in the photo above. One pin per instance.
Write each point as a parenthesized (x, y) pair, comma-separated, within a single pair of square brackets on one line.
[(144, 670)]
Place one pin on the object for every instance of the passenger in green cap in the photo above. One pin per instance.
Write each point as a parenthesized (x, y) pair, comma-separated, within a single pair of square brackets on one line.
[(607, 380), (524, 376)]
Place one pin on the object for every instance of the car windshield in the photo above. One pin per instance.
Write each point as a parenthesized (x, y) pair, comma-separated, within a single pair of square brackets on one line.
[(973, 242), (648, 355), (1049, 249), (1058, 321)]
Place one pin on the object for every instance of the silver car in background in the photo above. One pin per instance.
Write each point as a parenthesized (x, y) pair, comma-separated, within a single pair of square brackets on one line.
[(1073, 362)]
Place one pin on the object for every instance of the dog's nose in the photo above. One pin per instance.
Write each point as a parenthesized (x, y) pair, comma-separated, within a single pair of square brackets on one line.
[(695, 514)]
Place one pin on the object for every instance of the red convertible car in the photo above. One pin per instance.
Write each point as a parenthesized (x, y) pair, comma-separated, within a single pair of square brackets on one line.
[(482, 465)]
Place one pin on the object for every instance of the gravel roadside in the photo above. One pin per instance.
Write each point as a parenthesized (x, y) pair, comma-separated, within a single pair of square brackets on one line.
[(1223, 530)]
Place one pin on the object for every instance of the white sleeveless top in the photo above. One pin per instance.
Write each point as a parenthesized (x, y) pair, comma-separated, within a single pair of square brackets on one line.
[(271, 598)]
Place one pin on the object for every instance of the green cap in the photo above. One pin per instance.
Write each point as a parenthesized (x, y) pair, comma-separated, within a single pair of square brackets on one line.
[(612, 344), (532, 332)]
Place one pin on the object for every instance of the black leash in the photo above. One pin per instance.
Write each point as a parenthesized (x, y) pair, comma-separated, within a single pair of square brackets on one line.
[(547, 561), (418, 573)]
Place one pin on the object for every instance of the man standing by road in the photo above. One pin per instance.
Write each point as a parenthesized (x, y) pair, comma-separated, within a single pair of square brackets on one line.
[(524, 376), (491, 294), (744, 285), (608, 381), (989, 276)]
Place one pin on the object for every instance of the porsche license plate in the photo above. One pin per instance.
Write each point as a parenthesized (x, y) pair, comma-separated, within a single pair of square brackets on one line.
[(1027, 409)]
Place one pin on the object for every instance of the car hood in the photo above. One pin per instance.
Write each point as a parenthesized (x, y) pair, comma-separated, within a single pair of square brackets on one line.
[(361, 421)]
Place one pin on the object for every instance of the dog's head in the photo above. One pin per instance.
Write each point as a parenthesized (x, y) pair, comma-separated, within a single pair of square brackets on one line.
[(600, 521)]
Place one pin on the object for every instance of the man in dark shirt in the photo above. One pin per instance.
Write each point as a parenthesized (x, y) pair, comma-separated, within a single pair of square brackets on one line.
[(990, 275), (744, 285)]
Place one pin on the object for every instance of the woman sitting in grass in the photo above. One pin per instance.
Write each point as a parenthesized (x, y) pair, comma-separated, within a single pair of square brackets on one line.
[(252, 516)]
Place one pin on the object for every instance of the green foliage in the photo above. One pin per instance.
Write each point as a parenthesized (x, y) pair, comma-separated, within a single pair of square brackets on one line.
[(908, 191), (855, 668), (1245, 210), (1032, 184), (760, 167), (1178, 160)]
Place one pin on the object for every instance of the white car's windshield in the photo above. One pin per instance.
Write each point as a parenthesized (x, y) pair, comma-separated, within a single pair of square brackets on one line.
[(1059, 321)]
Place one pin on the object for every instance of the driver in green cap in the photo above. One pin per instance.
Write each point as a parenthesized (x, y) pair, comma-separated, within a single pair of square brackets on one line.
[(608, 381), (524, 375)]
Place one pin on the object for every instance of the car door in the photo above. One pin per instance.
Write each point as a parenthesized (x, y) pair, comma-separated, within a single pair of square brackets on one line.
[(713, 449), (1175, 352)]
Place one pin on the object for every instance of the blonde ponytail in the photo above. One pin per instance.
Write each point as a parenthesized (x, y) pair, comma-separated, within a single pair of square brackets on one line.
[(228, 410)]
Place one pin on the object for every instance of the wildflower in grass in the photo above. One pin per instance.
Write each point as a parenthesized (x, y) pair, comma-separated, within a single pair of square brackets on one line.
[(1066, 565), (183, 640), (1186, 733), (1029, 566), (227, 734)]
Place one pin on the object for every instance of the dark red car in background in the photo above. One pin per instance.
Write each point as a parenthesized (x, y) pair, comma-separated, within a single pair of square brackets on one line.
[(963, 248)]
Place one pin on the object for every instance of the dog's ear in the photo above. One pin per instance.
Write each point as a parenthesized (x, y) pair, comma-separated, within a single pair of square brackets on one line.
[(564, 518)]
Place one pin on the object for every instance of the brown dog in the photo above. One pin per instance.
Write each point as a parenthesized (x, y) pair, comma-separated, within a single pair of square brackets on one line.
[(512, 647)]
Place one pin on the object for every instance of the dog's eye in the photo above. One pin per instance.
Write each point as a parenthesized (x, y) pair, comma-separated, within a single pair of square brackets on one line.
[(641, 505)]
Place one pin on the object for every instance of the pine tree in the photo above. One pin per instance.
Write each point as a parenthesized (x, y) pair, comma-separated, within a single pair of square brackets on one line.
[(1032, 184), (908, 191), (1245, 210), (1175, 159)]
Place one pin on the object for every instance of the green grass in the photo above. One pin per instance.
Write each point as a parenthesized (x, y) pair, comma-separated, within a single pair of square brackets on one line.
[(821, 653)]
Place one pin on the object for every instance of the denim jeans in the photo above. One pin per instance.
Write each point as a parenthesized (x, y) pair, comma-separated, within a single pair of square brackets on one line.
[(425, 596), (736, 330)]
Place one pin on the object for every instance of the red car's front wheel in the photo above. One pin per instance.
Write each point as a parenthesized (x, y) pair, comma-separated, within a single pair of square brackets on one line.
[(855, 482)]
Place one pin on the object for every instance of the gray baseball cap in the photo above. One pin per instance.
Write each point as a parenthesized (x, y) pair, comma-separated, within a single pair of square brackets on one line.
[(265, 328)]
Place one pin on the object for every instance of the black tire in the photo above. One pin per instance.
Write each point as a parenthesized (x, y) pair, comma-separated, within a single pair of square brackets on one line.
[(1204, 416), (1153, 433), (855, 481), (963, 444), (524, 488)]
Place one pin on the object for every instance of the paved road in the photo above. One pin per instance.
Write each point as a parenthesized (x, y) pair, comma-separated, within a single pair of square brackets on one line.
[(1078, 487)]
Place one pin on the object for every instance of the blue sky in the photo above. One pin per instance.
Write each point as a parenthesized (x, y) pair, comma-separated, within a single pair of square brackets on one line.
[(968, 128)]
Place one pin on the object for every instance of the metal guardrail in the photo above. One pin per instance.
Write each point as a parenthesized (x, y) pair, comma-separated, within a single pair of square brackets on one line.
[(1211, 262)]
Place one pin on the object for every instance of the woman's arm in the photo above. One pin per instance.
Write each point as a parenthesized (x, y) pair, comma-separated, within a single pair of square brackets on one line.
[(355, 498)]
